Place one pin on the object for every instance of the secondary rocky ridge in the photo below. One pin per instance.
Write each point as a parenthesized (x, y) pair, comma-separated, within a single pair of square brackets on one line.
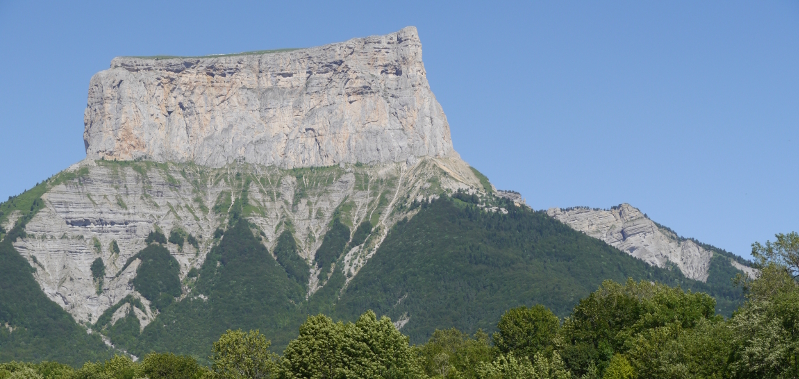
[(627, 229), (366, 100)]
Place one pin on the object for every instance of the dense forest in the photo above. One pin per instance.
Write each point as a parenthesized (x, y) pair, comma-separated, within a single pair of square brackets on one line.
[(621, 330)]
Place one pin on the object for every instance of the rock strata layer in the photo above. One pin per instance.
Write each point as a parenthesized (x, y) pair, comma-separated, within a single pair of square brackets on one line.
[(366, 100), (627, 229)]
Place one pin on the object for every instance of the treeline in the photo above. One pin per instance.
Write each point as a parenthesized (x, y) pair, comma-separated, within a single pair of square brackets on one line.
[(631, 330)]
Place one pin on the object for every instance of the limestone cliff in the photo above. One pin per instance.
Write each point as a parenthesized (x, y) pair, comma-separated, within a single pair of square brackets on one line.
[(366, 100), (627, 229)]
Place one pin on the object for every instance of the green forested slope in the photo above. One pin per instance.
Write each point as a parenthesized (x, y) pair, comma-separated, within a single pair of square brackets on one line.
[(32, 327), (454, 265), (244, 287)]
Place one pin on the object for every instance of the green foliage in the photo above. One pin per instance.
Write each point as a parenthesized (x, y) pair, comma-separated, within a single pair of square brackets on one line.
[(675, 352), (361, 233), (766, 328), (465, 197), (244, 288), (113, 247), (240, 355), (98, 273), (27, 203), (332, 246), (382, 202), (157, 278), (43, 370), (201, 204), (237, 210), (288, 257), (452, 354), (527, 331), (32, 327), (98, 269), (460, 266), (105, 318), (510, 367), (483, 180), (368, 348), (155, 236), (177, 236), (604, 323), (223, 202), (118, 367), (620, 368), (720, 283), (98, 247), (784, 252), (170, 366), (125, 330), (193, 241)]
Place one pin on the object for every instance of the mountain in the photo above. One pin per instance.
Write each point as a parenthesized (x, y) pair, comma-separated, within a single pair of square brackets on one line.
[(631, 231), (252, 190)]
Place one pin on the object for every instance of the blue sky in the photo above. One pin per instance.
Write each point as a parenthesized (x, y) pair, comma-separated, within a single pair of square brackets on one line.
[(687, 110)]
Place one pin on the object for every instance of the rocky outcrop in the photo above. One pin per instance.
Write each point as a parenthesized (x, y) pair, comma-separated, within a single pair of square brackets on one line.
[(366, 100), (513, 196), (627, 229)]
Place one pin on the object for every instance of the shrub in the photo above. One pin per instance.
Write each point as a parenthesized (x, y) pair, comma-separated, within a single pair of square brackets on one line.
[(176, 237), (98, 273), (193, 241), (113, 247), (155, 236)]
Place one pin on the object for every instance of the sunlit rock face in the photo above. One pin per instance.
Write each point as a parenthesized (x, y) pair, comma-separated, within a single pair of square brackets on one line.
[(627, 229), (366, 100)]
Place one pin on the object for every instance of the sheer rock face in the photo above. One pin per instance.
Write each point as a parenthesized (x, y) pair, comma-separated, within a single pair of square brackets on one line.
[(366, 100), (628, 230)]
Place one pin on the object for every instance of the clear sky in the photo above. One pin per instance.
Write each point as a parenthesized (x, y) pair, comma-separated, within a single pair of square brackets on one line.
[(687, 110)]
